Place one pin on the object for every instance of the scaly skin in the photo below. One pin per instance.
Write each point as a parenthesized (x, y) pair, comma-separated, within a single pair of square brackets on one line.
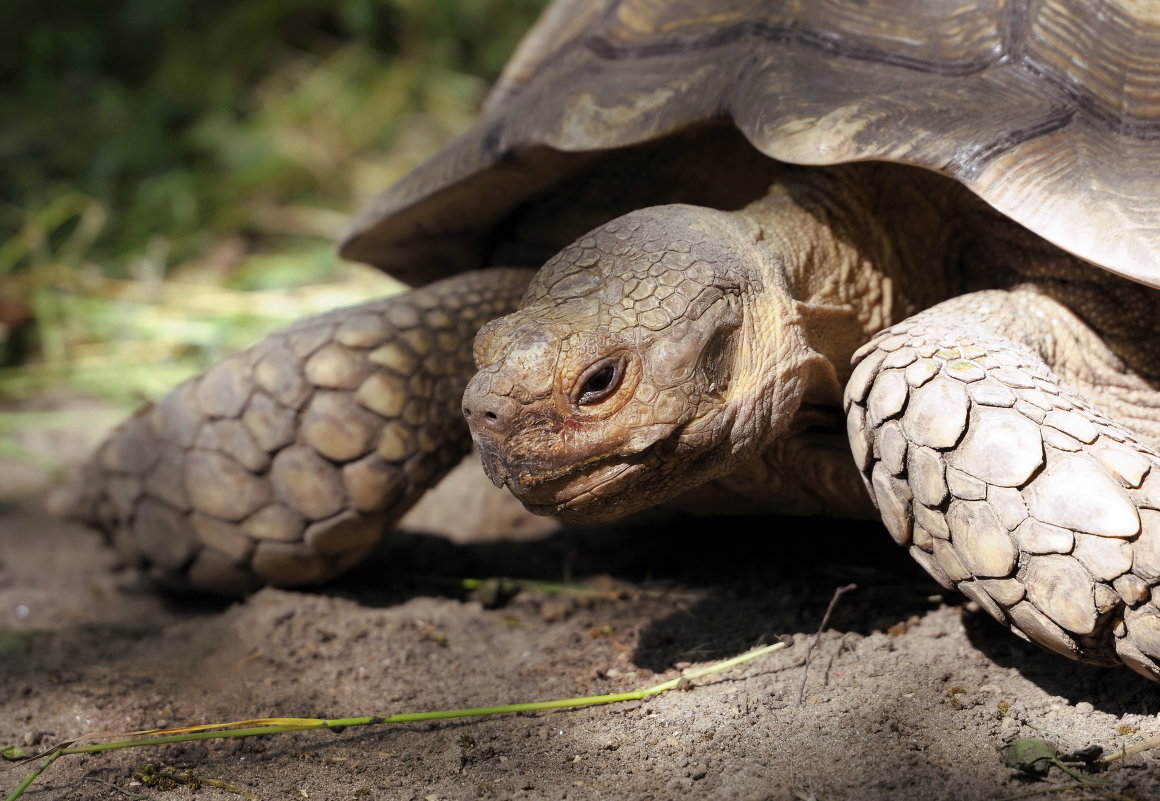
[(661, 299), (285, 463), (1008, 484)]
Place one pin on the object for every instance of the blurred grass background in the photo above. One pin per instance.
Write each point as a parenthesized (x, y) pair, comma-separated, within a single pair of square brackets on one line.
[(173, 175)]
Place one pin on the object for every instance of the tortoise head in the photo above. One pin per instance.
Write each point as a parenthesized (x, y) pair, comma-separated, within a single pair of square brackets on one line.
[(639, 365)]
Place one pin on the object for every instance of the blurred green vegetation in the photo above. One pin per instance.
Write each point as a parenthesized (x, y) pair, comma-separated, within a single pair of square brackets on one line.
[(157, 156), (173, 175)]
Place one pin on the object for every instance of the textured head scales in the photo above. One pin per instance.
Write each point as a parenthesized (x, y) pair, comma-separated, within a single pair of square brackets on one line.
[(612, 387), (1050, 111)]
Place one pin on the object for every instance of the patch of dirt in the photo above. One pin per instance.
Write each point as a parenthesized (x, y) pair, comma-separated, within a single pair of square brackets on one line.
[(903, 699)]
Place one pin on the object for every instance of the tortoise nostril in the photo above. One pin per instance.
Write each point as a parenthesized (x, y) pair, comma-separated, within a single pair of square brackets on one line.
[(486, 411), (487, 418), (480, 415)]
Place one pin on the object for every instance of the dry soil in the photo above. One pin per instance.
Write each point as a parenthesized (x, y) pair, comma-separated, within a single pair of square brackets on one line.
[(909, 693)]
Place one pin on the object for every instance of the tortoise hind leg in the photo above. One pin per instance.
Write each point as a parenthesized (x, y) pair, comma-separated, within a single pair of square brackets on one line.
[(1008, 484), (284, 464)]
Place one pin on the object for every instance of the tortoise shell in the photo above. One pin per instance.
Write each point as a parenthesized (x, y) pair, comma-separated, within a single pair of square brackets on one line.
[(1049, 111)]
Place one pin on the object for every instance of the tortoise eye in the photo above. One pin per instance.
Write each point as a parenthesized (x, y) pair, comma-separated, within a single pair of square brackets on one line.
[(599, 381)]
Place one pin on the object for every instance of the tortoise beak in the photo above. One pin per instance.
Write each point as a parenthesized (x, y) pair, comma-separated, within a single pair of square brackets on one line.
[(493, 464)]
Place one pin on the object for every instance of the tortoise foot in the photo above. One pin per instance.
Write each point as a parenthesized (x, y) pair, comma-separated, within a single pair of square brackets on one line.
[(1008, 485), (285, 463)]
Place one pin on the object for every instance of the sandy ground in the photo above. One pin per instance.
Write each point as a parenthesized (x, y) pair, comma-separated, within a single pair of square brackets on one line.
[(909, 694)]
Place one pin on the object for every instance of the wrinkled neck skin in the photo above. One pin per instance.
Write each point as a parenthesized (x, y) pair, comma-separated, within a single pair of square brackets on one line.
[(663, 351)]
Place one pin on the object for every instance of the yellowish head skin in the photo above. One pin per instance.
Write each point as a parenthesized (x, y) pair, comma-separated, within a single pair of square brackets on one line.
[(640, 364)]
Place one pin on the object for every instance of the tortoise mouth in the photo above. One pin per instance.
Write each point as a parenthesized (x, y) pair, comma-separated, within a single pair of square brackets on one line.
[(589, 492)]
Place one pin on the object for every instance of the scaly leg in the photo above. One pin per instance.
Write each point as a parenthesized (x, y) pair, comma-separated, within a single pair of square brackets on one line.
[(285, 463), (1007, 483)]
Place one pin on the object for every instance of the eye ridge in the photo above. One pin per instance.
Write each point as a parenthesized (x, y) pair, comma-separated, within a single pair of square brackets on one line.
[(600, 380)]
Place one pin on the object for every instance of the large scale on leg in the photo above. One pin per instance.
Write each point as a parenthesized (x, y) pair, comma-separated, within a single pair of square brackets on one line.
[(717, 269)]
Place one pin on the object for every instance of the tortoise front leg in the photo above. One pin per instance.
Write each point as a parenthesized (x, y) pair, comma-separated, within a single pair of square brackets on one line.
[(284, 464), (1008, 484)]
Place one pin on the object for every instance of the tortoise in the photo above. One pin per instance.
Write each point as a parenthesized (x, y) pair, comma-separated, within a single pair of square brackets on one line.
[(851, 258)]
